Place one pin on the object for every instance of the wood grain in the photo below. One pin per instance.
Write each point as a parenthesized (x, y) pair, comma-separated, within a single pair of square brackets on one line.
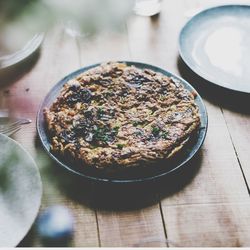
[(216, 194), (121, 228), (210, 208), (208, 225), (205, 212), (238, 123), (59, 56), (131, 228)]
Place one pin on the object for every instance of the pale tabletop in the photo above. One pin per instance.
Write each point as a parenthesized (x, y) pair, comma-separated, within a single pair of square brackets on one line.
[(206, 205)]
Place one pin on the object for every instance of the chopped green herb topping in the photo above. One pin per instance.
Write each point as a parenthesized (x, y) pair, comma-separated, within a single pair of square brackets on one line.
[(135, 123), (104, 134), (155, 131), (120, 146), (164, 135), (100, 111)]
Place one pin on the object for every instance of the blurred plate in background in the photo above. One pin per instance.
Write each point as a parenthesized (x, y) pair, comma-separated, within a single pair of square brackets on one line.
[(15, 57), (20, 38), (215, 45), (20, 192)]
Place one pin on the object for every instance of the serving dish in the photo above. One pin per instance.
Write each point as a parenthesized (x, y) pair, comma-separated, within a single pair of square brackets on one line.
[(20, 192), (134, 175), (215, 45)]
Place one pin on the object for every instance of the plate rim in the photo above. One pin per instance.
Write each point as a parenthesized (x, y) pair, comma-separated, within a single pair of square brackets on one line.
[(194, 69), (27, 154), (22, 54), (110, 180)]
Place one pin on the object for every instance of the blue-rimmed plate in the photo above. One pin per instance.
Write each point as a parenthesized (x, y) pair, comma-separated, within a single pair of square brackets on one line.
[(215, 45), (145, 174)]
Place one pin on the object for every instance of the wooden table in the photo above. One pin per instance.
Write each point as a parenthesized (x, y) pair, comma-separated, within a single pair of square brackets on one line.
[(208, 205)]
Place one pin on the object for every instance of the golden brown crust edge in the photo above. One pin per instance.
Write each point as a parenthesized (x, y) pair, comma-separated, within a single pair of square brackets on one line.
[(160, 108)]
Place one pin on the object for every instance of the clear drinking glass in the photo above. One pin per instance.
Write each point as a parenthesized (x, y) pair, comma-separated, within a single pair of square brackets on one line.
[(147, 7)]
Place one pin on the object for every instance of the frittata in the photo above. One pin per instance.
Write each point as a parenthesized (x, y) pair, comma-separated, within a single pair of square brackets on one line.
[(120, 116)]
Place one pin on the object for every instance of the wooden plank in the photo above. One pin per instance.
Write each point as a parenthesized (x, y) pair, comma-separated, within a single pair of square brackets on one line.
[(211, 210), (238, 123), (218, 165), (59, 56), (131, 227), (208, 225), (106, 46), (154, 40), (218, 186), (194, 215)]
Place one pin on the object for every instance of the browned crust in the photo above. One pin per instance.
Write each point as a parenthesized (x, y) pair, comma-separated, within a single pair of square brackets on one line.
[(119, 115)]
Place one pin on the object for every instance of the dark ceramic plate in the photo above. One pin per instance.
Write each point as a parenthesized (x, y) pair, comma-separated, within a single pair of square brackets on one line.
[(215, 45), (142, 173)]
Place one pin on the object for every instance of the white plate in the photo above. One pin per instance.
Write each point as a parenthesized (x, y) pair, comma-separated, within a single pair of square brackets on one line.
[(20, 192)]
